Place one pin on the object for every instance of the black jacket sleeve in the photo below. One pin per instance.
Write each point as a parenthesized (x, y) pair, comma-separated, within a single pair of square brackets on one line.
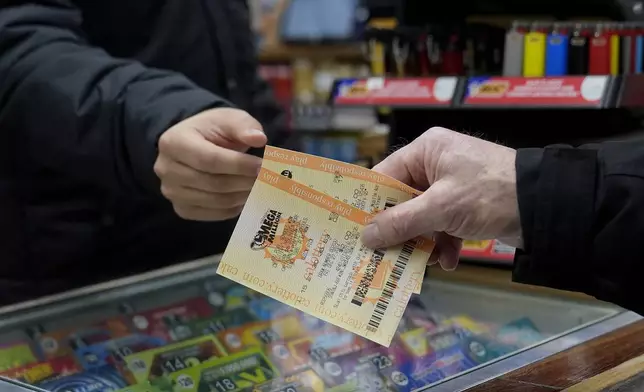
[(582, 216), (79, 110)]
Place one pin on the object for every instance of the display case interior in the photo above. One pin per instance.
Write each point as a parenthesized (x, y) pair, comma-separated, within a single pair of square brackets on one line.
[(186, 329)]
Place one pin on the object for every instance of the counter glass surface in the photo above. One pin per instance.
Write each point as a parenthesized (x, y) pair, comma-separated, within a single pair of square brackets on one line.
[(187, 329)]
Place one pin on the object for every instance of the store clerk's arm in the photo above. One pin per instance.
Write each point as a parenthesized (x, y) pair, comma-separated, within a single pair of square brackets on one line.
[(113, 122), (576, 214)]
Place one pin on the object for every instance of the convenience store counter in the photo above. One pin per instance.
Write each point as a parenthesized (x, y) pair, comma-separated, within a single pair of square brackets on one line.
[(184, 328)]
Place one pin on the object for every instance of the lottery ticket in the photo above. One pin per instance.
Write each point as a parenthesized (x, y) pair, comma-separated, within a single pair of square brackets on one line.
[(470, 352), (112, 352), (155, 363), (64, 342), (16, 355), (144, 388), (358, 371), (223, 297), (360, 187), (306, 381), (420, 342), (48, 370), (299, 354), (260, 334), (212, 325), (287, 246), (238, 372), (154, 322), (379, 360), (105, 379), (266, 309)]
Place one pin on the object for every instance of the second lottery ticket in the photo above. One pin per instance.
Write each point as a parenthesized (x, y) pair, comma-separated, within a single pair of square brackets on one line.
[(362, 188), (285, 246)]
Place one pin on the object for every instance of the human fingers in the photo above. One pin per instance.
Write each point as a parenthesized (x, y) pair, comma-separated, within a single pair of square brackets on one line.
[(448, 250), (198, 198), (231, 128), (403, 222), (178, 174), (205, 214), (395, 166), (191, 149)]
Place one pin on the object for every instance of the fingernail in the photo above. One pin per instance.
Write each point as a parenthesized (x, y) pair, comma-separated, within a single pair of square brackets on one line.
[(254, 132), (371, 236), (449, 268)]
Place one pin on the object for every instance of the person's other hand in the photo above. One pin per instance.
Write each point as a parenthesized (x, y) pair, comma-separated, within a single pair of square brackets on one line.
[(470, 194), (203, 166)]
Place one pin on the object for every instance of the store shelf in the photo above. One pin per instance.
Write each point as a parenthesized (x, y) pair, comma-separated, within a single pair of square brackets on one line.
[(288, 53), (566, 92)]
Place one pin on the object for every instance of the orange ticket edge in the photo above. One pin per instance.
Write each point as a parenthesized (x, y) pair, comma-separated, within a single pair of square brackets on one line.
[(332, 166), (328, 203)]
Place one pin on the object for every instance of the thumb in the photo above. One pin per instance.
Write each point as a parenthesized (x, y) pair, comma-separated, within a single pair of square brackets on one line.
[(401, 223), (236, 130)]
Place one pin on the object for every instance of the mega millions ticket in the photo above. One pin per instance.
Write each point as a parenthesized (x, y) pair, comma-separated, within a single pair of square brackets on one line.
[(362, 188), (302, 246)]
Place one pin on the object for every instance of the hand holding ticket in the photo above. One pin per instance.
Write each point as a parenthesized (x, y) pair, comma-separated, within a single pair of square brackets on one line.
[(364, 189), (301, 245)]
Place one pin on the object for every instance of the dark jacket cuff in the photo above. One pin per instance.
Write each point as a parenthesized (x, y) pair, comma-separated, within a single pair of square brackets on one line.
[(166, 111), (556, 194)]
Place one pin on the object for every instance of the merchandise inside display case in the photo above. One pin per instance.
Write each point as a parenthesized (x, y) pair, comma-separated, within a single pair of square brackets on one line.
[(187, 329)]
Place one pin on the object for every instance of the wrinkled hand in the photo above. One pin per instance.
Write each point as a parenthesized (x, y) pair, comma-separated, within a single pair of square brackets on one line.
[(203, 167), (470, 194)]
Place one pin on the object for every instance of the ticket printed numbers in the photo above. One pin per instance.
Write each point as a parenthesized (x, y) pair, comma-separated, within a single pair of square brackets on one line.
[(286, 247), (364, 189)]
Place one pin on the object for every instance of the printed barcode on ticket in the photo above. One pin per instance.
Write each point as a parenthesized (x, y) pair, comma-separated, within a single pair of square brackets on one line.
[(286, 247)]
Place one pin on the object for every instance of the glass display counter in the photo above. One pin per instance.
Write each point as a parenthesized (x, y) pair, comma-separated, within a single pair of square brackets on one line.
[(186, 329)]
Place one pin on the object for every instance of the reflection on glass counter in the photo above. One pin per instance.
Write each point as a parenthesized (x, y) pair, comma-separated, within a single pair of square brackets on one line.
[(209, 335)]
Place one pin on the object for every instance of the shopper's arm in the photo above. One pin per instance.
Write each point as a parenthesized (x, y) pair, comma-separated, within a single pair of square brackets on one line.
[(582, 217), (82, 111)]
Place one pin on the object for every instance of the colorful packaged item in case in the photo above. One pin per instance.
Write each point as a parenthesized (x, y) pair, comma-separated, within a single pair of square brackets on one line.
[(105, 379), (151, 364), (470, 352), (266, 309), (241, 371), (232, 297), (415, 318), (64, 342), (153, 322), (313, 324), (261, 333), (16, 355), (368, 368), (420, 342), (298, 354), (40, 371), (521, 333), (144, 388), (212, 325), (112, 352), (467, 323), (306, 381)]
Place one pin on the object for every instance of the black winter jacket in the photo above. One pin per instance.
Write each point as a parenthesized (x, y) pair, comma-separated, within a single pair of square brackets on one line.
[(86, 89), (582, 215)]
